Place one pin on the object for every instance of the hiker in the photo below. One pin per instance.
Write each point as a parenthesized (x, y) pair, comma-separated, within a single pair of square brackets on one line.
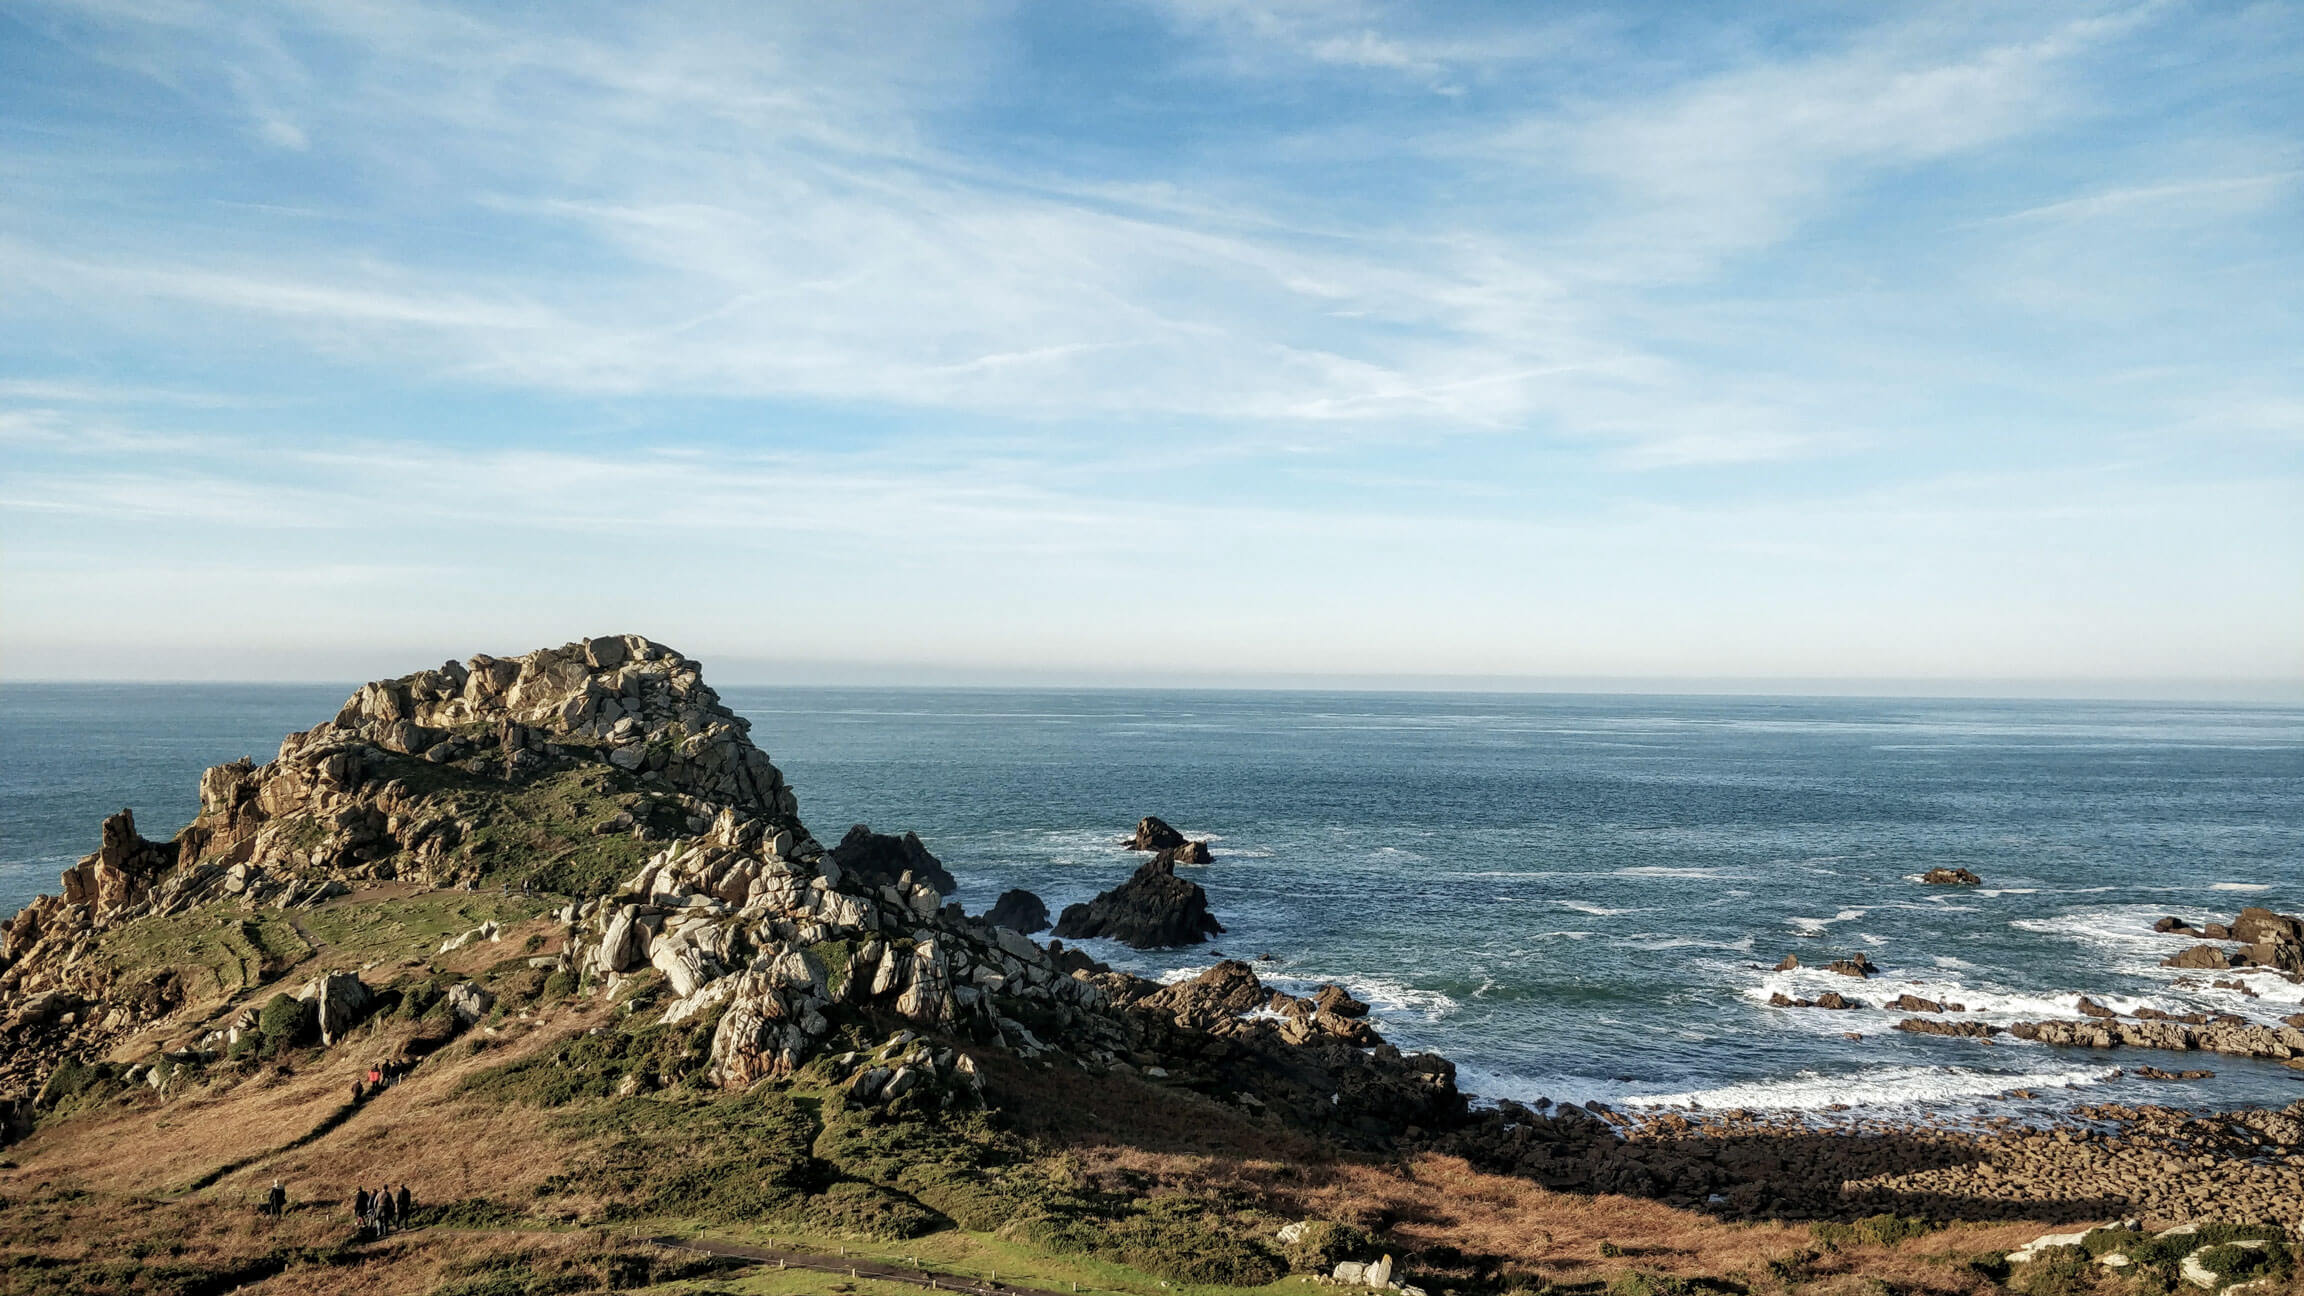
[(385, 1216), (406, 1203), (358, 1093), (376, 1075), (276, 1201), (360, 1210)]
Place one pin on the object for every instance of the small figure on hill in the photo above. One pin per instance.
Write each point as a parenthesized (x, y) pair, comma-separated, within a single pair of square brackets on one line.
[(387, 1212), (276, 1200), (358, 1092), (405, 1203), (360, 1204)]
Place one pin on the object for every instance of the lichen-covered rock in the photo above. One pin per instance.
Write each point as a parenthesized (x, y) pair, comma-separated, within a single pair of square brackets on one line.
[(339, 1001)]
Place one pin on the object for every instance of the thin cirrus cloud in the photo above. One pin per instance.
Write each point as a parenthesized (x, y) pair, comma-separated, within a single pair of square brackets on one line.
[(1264, 296)]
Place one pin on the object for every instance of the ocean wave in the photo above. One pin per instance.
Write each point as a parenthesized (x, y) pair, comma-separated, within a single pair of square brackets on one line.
[(1382, 994), (1587, 907), (1816, 926), (1887, 1086), (2238, 886), (1662, 871)]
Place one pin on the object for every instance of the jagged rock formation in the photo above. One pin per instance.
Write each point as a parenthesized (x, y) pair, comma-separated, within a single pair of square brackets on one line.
[(1191, 852), (881, 859), (1154, 909), (1018, 911), (1153, 833), (1951, 877)]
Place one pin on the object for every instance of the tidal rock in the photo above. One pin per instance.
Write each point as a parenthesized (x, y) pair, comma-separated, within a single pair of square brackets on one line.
[(1950, 877), (1155, 909), (1018, 911), (2090, 1008), (1790, 962), (1929, 1026), (1191, 852), (1858, 966), (881, 860), (2203, 956), (1154, 834)]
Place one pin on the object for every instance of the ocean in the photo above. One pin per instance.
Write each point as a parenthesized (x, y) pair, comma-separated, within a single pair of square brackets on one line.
[(1574, 897)]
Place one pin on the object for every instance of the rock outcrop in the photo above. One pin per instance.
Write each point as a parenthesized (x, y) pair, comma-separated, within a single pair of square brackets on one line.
[(2268, 940), (1154, 909), (1018, 911), (1191, 852), (1951, 877), (881, 860), (1153, 833), (339, 1000)]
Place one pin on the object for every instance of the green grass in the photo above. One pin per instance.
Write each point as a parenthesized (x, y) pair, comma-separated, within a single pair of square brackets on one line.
[(415, 926), (216, 949), (541, 832)]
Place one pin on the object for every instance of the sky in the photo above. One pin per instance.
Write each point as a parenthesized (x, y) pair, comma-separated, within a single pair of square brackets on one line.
[(1158, 341)]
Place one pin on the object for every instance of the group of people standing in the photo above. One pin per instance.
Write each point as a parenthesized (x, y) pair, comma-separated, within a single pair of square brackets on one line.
[(381, 1076), (381, 1211)]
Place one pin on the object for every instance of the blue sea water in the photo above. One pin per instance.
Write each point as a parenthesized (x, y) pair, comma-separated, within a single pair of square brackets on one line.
[(1572, 896)]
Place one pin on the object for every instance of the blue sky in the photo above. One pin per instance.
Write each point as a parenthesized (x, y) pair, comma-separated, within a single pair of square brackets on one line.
[(1185, 339)]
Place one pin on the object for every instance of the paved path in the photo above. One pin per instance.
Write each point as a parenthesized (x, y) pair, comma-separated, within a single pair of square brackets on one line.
[(856, 1267)]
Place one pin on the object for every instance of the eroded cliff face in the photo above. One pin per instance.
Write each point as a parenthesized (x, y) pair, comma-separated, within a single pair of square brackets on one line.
[(605, 771)]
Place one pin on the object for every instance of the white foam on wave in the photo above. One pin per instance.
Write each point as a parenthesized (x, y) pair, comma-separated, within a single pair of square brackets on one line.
[(1587, 907), (1661, 871), (1385, 996), (1667, 941), (1816, 926), (2238, 886), (1892, 1086), (2007, 891)]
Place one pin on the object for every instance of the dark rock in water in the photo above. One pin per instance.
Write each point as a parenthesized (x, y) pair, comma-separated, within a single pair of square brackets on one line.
[(1858, 967), (1155, 909), (879, 859), (2176, 926), (1018, 911), (1154, 834), (2155, 1073), (1336, 999), (1914, 1003), (1069, 961), (1832, 999), (1190, 852), (2090, 1008), (2203, 956), (1950, 877), (1791, 961), (1924, 1026)]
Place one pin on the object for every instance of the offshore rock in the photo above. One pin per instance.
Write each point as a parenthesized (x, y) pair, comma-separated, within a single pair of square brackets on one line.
[(1951, 877), (882, 860), (1155, 909), (1191, 852), (1153, 833), (1019, 911)]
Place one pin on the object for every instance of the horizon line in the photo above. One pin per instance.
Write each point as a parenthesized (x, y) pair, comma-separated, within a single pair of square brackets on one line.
[(828, 676)]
